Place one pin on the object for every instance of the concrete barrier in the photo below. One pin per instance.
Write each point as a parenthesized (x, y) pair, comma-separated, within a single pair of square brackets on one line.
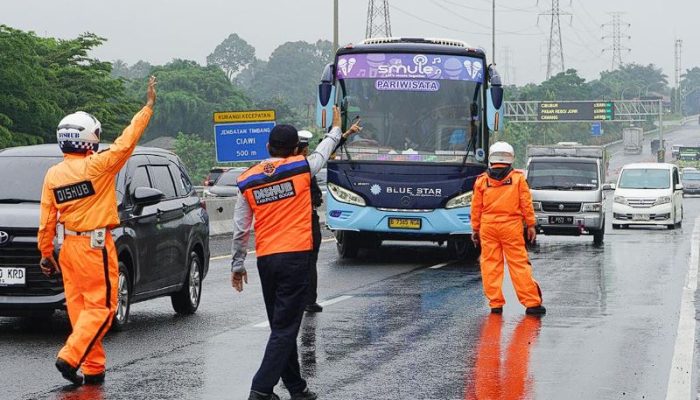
[(220, 211), (220, 214)]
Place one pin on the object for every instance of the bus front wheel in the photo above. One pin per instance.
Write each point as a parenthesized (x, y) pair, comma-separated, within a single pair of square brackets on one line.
[(461, 247), (347, 243)]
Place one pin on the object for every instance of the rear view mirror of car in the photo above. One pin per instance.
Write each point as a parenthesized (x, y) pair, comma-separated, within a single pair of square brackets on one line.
[(145, 196), (608, 186)]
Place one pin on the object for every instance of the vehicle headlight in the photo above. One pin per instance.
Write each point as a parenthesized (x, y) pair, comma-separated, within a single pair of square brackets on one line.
[(620, 200), (662, 200), (537, 205), (462, 200), (592, 207), (345, 196)]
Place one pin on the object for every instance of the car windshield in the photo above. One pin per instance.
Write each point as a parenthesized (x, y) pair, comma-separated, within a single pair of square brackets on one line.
[(643, 178), (229, 178), (552, 175), (412, 107), (691, 176), (22, 177)]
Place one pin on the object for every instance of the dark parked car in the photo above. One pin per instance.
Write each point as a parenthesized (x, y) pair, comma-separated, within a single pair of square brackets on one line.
[(162, 242), (227, 184), (214, 175)]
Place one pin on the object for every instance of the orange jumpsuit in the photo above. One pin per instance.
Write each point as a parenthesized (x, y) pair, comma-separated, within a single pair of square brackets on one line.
[(80, 193), (498, 211)]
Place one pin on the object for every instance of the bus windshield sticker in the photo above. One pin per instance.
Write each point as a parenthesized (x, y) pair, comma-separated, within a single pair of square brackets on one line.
[(410, 66), (407, 85)]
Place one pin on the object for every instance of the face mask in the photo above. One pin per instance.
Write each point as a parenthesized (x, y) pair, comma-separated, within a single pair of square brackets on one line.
[(499, 173)]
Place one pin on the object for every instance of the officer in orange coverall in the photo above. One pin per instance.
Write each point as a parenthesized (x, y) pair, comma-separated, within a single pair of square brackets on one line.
[(500, 204), (79, 192)]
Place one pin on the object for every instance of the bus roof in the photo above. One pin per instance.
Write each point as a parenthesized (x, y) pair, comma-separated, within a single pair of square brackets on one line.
[(412, 45)]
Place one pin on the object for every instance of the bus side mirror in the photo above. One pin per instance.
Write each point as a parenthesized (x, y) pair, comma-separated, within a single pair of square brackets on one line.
[(324, 105), (497, 96), (494, 98)]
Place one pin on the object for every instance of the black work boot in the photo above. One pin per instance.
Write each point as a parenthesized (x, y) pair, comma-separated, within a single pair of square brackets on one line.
[(97, 379), (305, 395), (539, 310), (69, 372), (254, 395), (314, 308), (497, 310)]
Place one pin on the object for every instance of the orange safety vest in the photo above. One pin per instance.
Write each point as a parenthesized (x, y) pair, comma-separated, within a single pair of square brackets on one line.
[(497, 201), (279, 193)]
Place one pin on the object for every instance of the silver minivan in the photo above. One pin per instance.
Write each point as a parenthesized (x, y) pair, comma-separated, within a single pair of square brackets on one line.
[(567, 190)]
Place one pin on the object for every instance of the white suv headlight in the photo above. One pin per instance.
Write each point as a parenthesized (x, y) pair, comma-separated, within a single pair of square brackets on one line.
[(591, 207), (662, 200), (462, 200), (620, 200), (345, 195), (537, 205)]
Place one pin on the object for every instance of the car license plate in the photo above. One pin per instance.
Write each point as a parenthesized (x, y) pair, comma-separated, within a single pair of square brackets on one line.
[(554, 220), (640, 217), (405, 223), (11, 276)]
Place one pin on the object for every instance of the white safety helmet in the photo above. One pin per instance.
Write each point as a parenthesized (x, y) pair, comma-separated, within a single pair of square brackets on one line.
[(79, 133), (305, 136), (501, 153)]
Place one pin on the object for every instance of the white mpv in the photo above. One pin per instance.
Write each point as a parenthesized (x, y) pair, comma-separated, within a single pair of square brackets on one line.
[(648, 194)]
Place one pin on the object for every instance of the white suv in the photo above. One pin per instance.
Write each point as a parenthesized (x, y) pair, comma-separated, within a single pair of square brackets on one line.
[(648, 194)]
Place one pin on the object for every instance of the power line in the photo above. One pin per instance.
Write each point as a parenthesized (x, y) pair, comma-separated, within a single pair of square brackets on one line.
[(451, 12), (419, 18)]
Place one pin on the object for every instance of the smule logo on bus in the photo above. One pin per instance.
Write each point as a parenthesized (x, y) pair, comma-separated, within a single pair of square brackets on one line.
[(272, 193), (395, 68), (415, 192)]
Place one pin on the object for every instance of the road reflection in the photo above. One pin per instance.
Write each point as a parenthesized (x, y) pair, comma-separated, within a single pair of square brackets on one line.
[(495, 378), (85, 392)]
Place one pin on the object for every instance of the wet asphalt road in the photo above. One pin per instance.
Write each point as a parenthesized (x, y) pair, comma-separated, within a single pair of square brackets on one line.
[(399, 329)]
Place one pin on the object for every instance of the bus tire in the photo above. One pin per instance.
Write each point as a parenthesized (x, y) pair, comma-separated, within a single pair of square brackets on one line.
[(461, 247), (347, 243)]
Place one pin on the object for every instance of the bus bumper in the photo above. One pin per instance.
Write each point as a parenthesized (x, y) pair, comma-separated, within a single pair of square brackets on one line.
[(438, 222)]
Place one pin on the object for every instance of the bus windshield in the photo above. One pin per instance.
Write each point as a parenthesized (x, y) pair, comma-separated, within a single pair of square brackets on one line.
[(412, 107)]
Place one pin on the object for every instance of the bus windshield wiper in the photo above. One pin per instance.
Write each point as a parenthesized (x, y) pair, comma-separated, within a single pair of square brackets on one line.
[(16, 201)]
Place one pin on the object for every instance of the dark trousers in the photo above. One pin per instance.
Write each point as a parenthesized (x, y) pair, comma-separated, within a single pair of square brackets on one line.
[(285, 280), (313, 271)]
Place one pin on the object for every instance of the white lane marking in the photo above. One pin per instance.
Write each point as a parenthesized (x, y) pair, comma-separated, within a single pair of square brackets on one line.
[(680, 377), (253, 251), (333, 301), (266, 324), (438, 266)]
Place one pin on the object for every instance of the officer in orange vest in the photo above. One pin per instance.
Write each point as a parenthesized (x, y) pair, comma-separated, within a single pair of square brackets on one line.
[(79, 192), (500, 204), (277, 195)]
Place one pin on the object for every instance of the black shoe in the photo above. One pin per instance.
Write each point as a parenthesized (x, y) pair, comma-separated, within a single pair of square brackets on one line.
[(68, 372), (262, 396), (497, 310), (539, 310), (305, 395), (314, 308), (95, 379)]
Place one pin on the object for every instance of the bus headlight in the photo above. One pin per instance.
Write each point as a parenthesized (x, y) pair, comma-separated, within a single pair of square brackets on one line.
[(592, 207), (345, 196), (462, 200)]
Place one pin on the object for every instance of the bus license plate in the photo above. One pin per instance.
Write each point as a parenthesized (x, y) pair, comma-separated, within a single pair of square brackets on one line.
[(405, 223), (11, 276), (561, 220)]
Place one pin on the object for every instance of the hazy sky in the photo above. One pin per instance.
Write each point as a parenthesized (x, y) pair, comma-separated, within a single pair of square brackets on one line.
[(159, 30)]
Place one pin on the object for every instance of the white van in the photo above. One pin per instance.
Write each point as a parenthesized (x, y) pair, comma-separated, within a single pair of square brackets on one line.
[(648, 194)]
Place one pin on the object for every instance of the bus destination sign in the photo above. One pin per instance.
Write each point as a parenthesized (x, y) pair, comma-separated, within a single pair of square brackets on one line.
[(551, 111)]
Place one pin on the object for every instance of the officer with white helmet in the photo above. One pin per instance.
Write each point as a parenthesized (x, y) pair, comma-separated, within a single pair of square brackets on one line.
[(500, 204), (312, 305)]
